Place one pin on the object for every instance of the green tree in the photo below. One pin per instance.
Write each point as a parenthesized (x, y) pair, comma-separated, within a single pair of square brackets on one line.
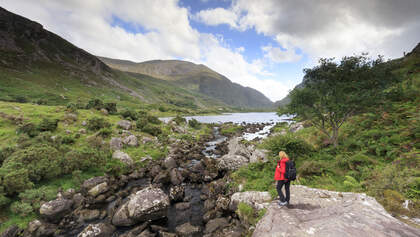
[(332, 92)]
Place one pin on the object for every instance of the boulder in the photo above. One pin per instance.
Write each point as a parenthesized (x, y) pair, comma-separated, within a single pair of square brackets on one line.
[(37, 228), (97, 230), (124, 124), (258, 155), (98, 189), (176, 193), (222, 203), (116, 143), (216, 224), (92, 182), (257, 200), (12, 231), (315, 212), (187, 229), (176, 177), (88, 215), (296, 127), (147, 140), (131, 140), (169, 163), (54, 210), (123, 157), (231, 162), (146, 204)]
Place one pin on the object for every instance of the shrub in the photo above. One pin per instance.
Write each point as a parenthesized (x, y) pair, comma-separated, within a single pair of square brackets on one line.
[(71, 107), (194, 123), (311, 168), (153, 119), (152, 130), (4, 201), (105, 132), (68, 140), (82, 159), (179, 120), (130, 114), (111, 108), (141, 123), (355, 162), (15, 180), (77, 177), (35, 196), (97, 123), (28, 128), (248, 214), (20, 99), (115, 167), (48, 125), (95, 104), (294, 146), (40, 161), (21, 208), (5, 152)]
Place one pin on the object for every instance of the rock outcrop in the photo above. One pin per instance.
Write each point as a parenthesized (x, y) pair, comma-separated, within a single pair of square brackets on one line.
[(315, 212), (146, 204), (257, 200)]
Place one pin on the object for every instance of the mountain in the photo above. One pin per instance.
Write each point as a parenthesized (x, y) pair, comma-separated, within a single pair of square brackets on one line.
[(195, 77), (38, 66)]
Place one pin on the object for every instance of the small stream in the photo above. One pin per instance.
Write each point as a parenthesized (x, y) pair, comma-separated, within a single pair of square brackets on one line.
[(210, 150)]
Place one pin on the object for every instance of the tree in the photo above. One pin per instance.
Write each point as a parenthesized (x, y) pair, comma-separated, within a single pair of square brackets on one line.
[(332, 92)]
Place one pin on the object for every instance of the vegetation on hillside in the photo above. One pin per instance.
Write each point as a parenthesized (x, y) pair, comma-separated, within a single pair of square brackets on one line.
[(49, 148), (377, 148)]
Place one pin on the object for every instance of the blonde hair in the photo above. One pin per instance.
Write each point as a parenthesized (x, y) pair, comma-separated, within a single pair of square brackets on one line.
[(283, 154)]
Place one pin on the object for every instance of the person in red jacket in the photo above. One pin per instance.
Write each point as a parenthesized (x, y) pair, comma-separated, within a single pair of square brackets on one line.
[(279, 177)]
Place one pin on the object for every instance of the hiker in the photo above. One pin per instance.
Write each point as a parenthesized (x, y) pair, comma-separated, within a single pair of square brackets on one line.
[(281, 179)]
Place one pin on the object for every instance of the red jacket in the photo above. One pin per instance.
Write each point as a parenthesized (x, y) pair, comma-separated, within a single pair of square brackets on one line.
[(281, 169)]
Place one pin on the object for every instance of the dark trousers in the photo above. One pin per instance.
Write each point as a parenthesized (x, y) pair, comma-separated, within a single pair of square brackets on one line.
[(286, 184)]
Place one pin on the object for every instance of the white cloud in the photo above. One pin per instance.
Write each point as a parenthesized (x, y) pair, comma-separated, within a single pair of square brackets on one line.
[(168, 35), (279, 55), (333, 28), (217, 16)]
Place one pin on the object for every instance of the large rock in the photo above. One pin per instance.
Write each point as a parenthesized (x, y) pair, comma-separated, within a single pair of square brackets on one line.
[(231, 162), (116, 143), (12, 231), (131, 140), (169, 163), (176, 177), (146, 204), (258, 155), (54, 210), (216, 224), (125, 124), (315, 212), (296, 127), (92, 182), (236, 147), (186, 230), (97, 230), (98, 189), (257, 200), (37, 228), (123, 157)]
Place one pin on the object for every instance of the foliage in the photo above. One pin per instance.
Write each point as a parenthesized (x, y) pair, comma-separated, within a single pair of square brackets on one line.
[(248, 214), (141, 123), (21, 208), (153, 119), (95, 104), (194, 123), (28, 128), (97, 123), (130, 114), (179, 120), (48, 125), (111, 108), (152, 129), (333, 92), (294, 146)]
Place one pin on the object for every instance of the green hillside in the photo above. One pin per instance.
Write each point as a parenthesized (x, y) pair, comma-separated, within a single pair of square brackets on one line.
[(196, 78), (378, 149)]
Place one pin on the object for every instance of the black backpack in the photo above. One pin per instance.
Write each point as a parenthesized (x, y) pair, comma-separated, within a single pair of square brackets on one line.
[(290, 170)]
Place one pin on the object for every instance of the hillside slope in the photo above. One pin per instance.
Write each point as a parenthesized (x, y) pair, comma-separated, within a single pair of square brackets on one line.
[(38, 66), (198, 78)]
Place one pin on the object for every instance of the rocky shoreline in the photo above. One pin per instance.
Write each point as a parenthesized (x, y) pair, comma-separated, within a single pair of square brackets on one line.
[(184, 194)]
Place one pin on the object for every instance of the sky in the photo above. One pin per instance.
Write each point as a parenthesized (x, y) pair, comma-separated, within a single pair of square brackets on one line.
[(263, 44)]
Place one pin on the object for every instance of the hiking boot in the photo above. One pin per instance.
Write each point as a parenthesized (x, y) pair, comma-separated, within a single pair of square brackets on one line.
[(282, 203)]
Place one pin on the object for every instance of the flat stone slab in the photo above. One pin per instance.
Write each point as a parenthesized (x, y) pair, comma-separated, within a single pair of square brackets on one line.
[(315, 212)]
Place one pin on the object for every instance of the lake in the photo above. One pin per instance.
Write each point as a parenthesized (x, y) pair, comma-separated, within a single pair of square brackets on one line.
[(254, 117)]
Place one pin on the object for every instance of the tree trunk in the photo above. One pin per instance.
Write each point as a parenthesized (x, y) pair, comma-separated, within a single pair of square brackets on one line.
[(334, 137)]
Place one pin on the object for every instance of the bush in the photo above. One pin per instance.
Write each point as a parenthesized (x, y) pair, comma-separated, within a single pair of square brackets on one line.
[(111, 108), (35, 196), (28, 128), (105, 132), (15, 180), (294, 146), (21, 208), (97, 123), (179, 120), (141, 123), (4, 201), (48, 125), (248, 214), (153, 119), (82, 159), (115, 167), (311, 168), (130, 114), (95, 104), (72, 107), (40, 161), (152, 130), (68, 140), (194, 123), (5, 152)]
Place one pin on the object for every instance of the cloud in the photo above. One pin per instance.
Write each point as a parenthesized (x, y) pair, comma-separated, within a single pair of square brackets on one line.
[(217, 16), (334, 28), (166, 34), (279, 55)]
